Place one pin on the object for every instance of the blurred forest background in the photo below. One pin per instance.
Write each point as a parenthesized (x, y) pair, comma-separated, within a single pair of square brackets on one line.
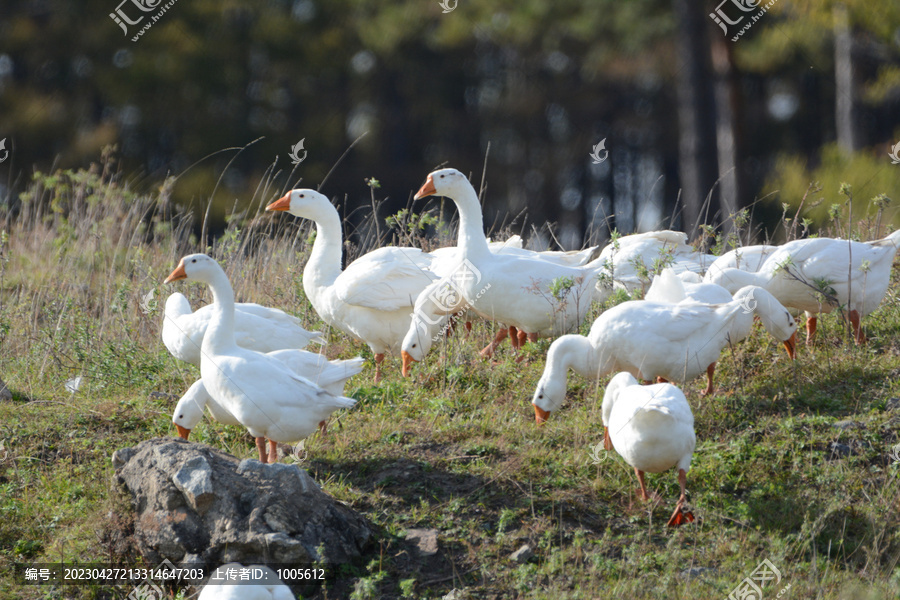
[(697, 126)]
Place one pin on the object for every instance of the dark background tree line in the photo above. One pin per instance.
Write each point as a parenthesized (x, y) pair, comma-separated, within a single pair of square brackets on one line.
[(697, 126)]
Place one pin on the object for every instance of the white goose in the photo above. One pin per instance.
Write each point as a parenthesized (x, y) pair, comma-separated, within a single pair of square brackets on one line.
[(798, 272), (256, 327), (672, 342), (685, 287), (626, 260), (260, 391), (269, 586), (745, 258), (515, 290), (372, 299), (652, 428), (331, 375)]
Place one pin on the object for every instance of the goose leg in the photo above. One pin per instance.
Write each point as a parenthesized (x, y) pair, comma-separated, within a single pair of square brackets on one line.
[(661, 379), (379, 358), (857, 332), (488, 351), (468, 328), (811, 322), (323, 427), (640, 476), (532, 337), (679, 517), (523, 337), (273, 451), (261, 448), (514, 338), (710, 387)]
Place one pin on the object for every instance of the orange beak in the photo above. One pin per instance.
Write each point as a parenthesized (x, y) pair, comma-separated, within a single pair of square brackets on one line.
[(607, 441), (790, 345), (182, 432), (426, 190), (407, 362), (177, 274), (283, 203), (540, 415)]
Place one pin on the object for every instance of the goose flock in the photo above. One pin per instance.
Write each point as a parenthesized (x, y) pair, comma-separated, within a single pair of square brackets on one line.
[(255, 372)]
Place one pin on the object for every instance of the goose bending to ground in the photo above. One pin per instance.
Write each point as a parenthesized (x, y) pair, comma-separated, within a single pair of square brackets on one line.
[(262, 584), (652, 428), (331, 375), (535, 296), (817, 275), (261, 392), (372, 299), (745, 258), (255, 327), (673, 342)]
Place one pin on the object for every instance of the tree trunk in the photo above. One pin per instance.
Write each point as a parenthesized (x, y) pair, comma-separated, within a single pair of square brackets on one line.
[(727, 131), (845, 77), (696, 121)]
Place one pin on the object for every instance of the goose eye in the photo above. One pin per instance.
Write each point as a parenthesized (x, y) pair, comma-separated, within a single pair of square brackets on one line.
[(414, 345), (194, 260), (442, 176), (540, 396), (302, 196), (180, 416)]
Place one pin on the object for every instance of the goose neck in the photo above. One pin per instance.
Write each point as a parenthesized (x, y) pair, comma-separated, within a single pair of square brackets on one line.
[(324, 265), (220, 332), (471, 222)]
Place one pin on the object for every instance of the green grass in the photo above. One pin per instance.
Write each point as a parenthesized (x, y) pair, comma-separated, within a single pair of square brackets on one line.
[(453, 448)]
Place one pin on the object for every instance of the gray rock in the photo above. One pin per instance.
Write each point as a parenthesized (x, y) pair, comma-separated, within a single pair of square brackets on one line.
[(456, 594), (194, 480), (426, 540), (196, 504), (5, 394), (846, 424), (892, 404), (838, 450), (523, 554)]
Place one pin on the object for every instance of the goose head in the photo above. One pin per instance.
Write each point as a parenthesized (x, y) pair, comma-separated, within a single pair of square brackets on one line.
[(305, 203), (195, 267), (777, 320), (444, 182), (615, 387), (416, 343), (189, 409)]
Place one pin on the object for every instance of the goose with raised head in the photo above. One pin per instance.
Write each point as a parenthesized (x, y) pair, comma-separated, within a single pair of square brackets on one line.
[(331, 375), (671, 342), (371, 299), (255, 327), (534, 295), (260, 391), (652, 428), (817, 275)]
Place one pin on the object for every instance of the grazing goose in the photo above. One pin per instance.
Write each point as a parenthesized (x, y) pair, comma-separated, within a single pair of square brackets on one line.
[(652, 428), (817, 275), (261, 392), (745, 258), (255, 327), (331, 375), (673, 342)]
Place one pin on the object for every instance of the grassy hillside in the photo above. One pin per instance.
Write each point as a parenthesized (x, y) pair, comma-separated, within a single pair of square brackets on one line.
[(793, 461)]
